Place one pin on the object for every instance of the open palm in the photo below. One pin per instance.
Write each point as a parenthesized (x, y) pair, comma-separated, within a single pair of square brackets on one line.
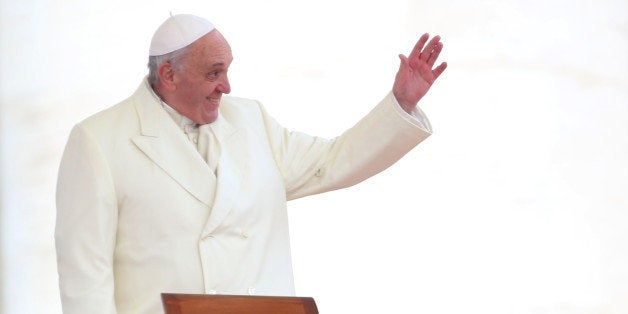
[(416, 73)]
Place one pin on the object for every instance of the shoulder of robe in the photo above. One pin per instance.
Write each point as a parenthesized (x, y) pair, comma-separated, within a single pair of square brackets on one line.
[(239, 110)]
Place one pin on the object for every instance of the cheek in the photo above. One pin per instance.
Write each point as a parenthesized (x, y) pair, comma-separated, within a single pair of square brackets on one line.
[(194, 91), (210, 85)]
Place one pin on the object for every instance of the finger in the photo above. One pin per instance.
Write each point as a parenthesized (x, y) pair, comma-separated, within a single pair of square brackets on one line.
[(434, 54), (425, 55), (416, 51), (404, 60), (439, 70)]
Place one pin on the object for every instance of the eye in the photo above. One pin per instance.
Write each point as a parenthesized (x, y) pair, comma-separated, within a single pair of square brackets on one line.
[(212, 75)]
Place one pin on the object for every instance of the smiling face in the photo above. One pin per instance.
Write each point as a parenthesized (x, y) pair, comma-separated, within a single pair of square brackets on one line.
[(195, 89)]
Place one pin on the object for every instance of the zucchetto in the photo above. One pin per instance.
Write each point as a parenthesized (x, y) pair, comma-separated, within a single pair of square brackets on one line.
[(177, 32)]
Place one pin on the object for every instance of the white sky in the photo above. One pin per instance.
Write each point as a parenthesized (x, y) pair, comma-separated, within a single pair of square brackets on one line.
[(516, 204)]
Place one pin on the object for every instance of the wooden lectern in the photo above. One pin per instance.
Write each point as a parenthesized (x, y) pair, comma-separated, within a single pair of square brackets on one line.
[(236, 304)]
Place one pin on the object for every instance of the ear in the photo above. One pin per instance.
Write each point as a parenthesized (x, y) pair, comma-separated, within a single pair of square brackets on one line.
[(166, 76)]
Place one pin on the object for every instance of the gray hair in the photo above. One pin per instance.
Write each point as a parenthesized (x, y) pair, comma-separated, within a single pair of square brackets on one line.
[(175, 59)]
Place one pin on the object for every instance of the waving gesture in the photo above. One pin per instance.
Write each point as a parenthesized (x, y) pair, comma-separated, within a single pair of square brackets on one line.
[(416, 76)]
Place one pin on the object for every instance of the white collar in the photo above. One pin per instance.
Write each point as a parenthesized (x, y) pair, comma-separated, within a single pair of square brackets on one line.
[(178, 118), (182, 120)]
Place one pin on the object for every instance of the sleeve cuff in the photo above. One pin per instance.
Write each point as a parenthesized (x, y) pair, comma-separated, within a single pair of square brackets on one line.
[(416, 117)]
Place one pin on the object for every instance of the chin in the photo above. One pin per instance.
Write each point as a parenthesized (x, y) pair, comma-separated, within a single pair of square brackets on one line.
[(210, 118)]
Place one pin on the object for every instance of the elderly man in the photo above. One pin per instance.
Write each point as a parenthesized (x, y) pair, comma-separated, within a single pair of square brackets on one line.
[(182, 189)]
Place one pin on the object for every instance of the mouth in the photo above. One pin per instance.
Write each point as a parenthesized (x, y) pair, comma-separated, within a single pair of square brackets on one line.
[(214, 101)]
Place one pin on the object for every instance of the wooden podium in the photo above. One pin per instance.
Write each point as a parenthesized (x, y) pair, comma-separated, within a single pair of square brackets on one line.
[(236, 304)]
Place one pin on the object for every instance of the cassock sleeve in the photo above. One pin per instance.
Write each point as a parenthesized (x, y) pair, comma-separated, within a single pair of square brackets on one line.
[(312, 165), (86, 225)]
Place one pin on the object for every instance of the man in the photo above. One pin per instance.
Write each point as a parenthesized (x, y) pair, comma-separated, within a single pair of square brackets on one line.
[(179, 189)]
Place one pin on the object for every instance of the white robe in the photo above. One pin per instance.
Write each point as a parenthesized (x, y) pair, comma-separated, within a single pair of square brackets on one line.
[(134, 199)]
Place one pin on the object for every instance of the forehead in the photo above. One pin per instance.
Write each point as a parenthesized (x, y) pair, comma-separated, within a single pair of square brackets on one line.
[(210, 50)]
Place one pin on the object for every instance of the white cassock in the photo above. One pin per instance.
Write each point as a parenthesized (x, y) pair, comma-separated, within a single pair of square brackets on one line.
[(139, 212)]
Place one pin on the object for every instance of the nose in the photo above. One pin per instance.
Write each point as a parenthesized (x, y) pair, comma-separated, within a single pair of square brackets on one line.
[(224, 86)]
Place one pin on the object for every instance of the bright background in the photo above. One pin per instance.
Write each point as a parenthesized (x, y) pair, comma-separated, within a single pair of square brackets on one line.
[(516, 204)]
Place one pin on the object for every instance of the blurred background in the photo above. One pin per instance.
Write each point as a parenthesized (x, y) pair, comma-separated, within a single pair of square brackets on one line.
[(516, 204)]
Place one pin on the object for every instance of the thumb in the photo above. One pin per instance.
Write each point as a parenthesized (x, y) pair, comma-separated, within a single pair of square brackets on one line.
[(403, 58)]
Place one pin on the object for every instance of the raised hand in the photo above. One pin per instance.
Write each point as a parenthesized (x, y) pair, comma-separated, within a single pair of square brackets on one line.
[(415, 75)]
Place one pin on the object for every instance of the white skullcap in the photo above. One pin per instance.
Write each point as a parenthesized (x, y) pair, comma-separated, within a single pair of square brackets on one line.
[(177, 32)]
